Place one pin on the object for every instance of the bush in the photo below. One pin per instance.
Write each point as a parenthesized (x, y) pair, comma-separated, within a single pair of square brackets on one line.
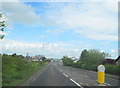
[(112, 69), (16, 69)]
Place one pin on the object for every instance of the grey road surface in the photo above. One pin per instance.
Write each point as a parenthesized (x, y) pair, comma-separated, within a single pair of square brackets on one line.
[(50, 76), (55, 74), (86, 77)]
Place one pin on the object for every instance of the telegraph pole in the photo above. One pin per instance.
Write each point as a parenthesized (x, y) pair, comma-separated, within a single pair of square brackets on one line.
[(42, 48)]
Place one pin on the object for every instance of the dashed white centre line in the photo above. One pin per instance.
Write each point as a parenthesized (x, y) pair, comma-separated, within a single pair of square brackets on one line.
[(86, 76), (76, 83), (65, 75), (107, 84)]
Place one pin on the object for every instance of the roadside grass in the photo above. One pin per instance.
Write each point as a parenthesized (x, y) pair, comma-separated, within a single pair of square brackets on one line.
[(16, 70)]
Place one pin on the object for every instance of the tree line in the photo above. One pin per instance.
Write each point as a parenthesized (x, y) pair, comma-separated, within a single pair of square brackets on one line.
[(90, 59)]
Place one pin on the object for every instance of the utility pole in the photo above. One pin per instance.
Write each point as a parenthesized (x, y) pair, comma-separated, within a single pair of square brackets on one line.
[(27, 55), (42, 48)]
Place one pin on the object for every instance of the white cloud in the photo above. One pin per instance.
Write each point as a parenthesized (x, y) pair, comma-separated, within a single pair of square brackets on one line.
[(101, 51), (48, 31), (87, 19), (3, 33), (55, 50), (62, 0), (42, 36), (56, 31), (114, 53), (19, 12), (97, 35), (112, 50)]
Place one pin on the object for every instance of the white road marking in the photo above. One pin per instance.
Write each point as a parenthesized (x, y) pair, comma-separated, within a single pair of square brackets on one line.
[(65, 75), (107, 84), (86, 76), (101, 85), (76, 83)]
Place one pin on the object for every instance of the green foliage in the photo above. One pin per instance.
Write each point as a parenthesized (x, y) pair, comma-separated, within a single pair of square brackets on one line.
[(17, 69), (92, 56), (2, 26), (67, 61), (44, 59), (112, 69), (90, 59)]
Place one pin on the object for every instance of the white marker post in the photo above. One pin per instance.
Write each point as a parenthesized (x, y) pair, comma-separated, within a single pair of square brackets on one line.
[(101, 74)]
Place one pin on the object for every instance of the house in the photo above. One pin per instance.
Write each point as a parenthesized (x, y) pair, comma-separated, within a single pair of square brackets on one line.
[(112, 61), (117, 61), (37, 58), (75, 60), (109, 61), (28, 58)]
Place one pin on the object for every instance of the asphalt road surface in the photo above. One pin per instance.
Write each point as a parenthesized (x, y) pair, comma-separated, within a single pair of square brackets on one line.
[(55, 74), (50, 76)]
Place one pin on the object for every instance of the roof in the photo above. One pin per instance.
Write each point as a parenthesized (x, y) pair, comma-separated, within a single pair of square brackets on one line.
[(117, 58)]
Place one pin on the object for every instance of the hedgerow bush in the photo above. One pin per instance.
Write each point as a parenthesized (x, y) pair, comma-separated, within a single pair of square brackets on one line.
[(16, 69), (112, 69)]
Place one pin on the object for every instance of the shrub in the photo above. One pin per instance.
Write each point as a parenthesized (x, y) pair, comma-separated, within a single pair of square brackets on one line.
[(112, 69), (16, 69)]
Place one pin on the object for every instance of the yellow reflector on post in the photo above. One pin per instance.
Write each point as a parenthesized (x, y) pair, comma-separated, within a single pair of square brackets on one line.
[(101, 74)]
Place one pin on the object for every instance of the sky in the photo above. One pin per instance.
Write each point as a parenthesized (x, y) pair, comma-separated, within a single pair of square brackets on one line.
[(63, 28)]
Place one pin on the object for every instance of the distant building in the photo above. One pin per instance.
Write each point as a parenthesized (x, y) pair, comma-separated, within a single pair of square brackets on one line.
[(28, 57), (112, 61), (109, 61), (73, 58), (117, 61), (37, 58)]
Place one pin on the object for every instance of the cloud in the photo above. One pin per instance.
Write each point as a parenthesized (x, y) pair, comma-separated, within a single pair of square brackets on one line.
[(62, 0), (97, 35), (87, 19), (114, 53), (3, 33), (42, 36), (112, 50), (55, 50), (20, 13)]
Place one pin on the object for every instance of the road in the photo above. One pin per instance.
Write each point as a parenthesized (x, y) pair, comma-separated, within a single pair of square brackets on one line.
[(56, 74)]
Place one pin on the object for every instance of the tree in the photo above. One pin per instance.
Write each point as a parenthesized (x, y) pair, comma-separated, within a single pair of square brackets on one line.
[(92, 56), (67, 61), (14, 54), (43, 58), (83, 54), (2, 26)]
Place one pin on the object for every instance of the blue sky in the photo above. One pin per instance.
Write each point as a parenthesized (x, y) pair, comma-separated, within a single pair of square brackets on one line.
[(65, 28)]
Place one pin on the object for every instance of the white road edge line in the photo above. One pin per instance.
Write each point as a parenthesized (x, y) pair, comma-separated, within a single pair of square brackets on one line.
[(76, 83)]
